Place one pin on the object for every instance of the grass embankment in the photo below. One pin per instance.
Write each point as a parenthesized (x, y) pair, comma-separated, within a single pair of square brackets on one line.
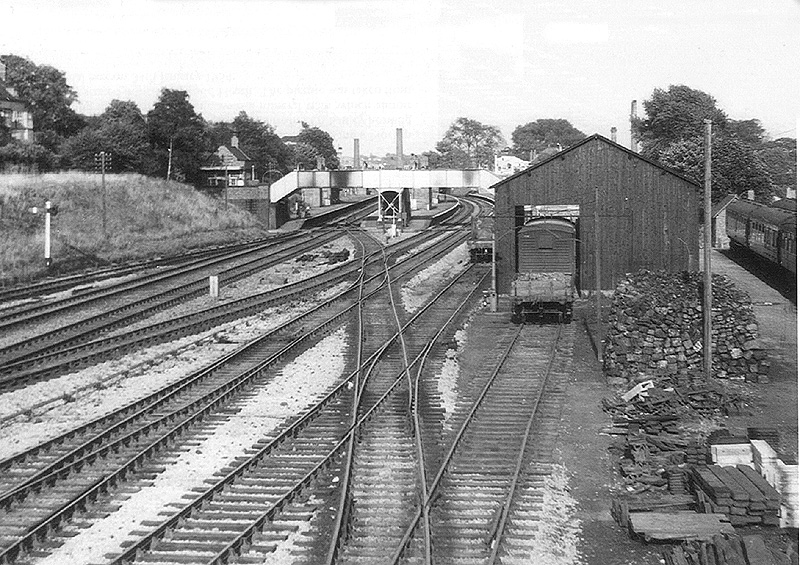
[(145, 217)]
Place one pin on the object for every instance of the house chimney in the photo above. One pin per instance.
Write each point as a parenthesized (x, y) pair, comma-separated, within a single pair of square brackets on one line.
[(399, 148), (234, 141), (356, 155), (614, 134), (634, 140), (751, 194)]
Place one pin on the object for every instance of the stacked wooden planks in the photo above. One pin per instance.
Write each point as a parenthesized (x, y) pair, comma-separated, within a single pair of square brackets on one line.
[(738, 492), (677, 526)]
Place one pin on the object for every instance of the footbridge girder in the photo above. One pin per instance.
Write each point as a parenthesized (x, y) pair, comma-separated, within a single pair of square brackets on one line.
[(380, 179)]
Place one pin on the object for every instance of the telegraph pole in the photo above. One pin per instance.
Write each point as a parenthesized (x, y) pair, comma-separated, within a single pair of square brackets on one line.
[(101, 160), (707, 296), (598, 305)]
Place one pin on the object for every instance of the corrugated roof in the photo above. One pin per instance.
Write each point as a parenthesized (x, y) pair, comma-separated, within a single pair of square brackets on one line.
[(585, 141)]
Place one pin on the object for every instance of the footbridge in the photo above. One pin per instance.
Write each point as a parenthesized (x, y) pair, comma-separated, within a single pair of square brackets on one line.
[(381, 179), (399, 191)]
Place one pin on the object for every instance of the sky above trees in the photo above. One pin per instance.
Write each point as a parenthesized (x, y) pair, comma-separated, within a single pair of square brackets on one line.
[(361, 68)]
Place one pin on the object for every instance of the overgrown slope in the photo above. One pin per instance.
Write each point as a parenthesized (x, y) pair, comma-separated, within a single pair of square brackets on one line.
[(144, 217)]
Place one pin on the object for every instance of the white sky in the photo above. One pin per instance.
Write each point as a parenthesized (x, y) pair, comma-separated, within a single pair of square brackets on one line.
[(361, 68)]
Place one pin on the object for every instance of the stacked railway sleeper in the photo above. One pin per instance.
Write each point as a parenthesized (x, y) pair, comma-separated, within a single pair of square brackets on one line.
[(146, 434)]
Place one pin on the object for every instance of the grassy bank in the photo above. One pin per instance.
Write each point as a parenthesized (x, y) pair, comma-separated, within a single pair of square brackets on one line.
[(144, 217)]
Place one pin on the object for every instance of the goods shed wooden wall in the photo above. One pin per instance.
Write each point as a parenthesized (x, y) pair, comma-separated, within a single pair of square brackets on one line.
[(648, 216)]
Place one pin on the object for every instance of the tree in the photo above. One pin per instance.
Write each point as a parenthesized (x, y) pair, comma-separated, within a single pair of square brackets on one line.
[(542, 134), (262, 144), (305, 156), (45, 91), (468, 143), (322, 144), (749, 132), (120, 130), (676, 114), (173, 121), (780, 160), (29, 156), (734, 166)]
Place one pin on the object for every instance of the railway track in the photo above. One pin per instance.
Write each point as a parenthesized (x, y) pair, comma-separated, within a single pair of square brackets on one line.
[(24, 499), (177, 283), (80, 352), (51, 286)]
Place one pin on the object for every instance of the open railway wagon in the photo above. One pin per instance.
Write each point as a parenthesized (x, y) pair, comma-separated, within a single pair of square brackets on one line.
[(480, 241), (545, 283)]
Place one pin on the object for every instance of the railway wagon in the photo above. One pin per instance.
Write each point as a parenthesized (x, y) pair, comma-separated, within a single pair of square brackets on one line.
[(769, 232), (545, 281), (480, 241)]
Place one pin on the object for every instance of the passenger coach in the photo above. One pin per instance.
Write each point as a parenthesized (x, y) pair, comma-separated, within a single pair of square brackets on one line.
[(769, 232)]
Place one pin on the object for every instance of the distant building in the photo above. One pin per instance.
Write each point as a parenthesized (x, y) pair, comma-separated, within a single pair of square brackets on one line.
[(13, 111), (228, 166), (507, 165)]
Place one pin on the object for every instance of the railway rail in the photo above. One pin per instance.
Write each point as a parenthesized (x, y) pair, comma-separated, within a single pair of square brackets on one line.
[(376, 470), (56, 361), (142, 298), (24, 498), (205, 263)]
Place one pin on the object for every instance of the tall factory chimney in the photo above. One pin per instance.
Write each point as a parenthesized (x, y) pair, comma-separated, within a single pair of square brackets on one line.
[(399, 148), (634, 140), (614, 134), (356, 155)]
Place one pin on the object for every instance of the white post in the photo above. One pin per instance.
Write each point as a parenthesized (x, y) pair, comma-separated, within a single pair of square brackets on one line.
[(213, 286), (47, 259)]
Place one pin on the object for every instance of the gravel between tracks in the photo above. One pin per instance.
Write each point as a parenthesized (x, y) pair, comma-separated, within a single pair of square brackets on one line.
[(300, 384), (287, 272), (44, 410), (421, 287), (556, 539)]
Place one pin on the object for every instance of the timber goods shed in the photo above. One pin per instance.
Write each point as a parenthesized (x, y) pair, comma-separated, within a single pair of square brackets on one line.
[(635, 213)]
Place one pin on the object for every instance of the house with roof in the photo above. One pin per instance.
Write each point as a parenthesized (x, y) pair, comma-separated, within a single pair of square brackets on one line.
[(14, 114), (228, 166)]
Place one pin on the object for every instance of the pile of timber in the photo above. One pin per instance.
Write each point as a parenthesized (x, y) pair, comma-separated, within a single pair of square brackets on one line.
[(654, 449), (668, 397), (655, 327), (728, 550), (683, 525), (738, 492)]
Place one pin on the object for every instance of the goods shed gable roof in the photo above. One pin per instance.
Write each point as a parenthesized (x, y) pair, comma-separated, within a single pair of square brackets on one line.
[(572, 148)]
